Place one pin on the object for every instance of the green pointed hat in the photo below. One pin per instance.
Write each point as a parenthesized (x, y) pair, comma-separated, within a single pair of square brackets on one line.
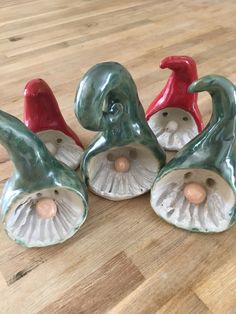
[(209, 161), (107, 101), (38, 178)]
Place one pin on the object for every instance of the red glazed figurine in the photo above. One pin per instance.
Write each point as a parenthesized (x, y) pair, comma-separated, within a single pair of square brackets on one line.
[(43, 116), (173, 115)]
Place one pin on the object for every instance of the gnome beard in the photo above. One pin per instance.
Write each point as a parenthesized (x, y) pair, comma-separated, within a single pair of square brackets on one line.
[(62, 147), (206, 209), (173, 128)]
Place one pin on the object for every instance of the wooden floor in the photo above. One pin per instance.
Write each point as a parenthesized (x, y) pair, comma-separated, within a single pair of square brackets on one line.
[(124, 259)]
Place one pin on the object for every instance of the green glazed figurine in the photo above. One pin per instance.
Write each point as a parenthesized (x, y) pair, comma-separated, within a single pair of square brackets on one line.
[(44, 202), (123, 160), (196, 190)]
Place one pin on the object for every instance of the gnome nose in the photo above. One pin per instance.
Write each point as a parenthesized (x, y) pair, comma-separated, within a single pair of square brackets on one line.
[(46, 208), (51, 148), (171, 126), (122, 164), (195, 193)]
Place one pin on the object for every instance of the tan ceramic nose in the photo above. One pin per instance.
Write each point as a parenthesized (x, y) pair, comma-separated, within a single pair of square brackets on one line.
[(46, 208), (51, 148), (122, 164), (195, 193), (171, 126)]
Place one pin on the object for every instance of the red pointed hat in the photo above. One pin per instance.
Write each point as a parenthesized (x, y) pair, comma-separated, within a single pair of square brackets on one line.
[(175, 93), (41, 110)]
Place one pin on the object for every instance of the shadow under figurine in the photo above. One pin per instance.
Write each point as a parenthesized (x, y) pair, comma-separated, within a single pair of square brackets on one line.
[(43, 202), (196, 190), (123, 160), (43, 116), (173, 115)]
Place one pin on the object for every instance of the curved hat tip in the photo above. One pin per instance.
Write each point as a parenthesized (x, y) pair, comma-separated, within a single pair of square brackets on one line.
[(35, 87), (205, 83), (178, 62)]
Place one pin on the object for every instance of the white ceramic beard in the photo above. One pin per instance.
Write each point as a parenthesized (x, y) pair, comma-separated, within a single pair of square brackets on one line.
[(213, 215), (105, 181), (25, 226), (62, 147), (173, 128)]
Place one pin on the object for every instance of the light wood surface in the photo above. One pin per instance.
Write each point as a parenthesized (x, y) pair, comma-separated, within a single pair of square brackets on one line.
[(124, 259)]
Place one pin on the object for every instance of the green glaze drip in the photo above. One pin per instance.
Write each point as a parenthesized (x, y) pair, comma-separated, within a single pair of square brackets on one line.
[(107, 101)]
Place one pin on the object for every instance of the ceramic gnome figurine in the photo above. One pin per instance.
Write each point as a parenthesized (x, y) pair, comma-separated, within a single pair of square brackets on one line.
[(124, 159), (44, 201), (196, 190), (42, 115), (173, 115)]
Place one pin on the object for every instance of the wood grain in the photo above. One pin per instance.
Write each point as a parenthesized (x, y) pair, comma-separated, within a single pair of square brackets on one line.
[(94, 293), (124, 259)]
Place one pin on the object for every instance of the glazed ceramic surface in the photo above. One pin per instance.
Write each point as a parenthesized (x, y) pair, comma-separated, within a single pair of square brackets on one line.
[(42, 115), (173, 115), (107, 101), (209, 160), (109, 183), (62, 147), (173, 127), (38, 177)]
